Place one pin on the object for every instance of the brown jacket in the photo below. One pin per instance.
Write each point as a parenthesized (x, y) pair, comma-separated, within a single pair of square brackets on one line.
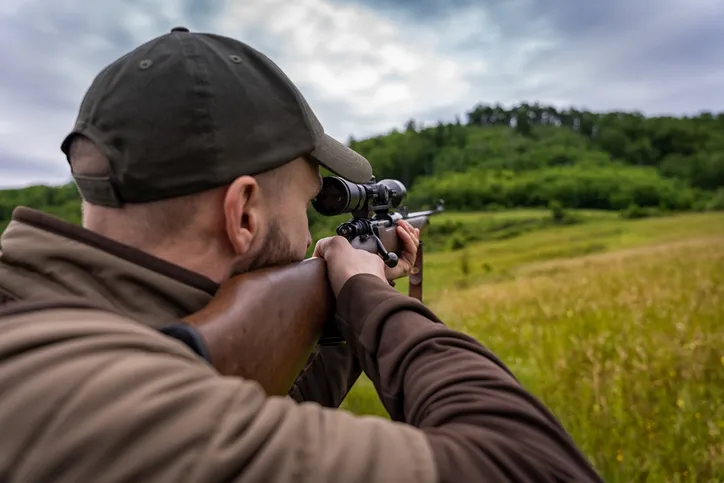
[(44, 257), (91, 392)]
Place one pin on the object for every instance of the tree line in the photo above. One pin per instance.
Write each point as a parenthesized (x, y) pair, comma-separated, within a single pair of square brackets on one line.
[(532, 155), (528, 155)]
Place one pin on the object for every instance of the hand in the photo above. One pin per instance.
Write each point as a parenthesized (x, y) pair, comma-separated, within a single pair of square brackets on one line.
[(345, 261), (410, 238)]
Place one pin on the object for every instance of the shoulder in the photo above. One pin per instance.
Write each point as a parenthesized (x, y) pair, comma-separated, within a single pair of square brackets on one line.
[(80, 380), (71, 330), (139, 405)]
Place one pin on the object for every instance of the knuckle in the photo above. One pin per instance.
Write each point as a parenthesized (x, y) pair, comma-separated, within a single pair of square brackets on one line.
[(337, 241)]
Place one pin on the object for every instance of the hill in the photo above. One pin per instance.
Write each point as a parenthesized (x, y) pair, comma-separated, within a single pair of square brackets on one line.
[(527, 156)]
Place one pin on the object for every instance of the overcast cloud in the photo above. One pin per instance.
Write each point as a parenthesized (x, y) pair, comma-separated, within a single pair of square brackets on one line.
[(367, 66)]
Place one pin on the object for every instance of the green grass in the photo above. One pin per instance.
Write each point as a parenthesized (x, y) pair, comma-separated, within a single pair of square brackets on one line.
[(616, 325), (597, 232), (458, 230)]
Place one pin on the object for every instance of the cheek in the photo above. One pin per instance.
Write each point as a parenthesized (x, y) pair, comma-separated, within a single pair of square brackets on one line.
[(303, 222), (298, 224)]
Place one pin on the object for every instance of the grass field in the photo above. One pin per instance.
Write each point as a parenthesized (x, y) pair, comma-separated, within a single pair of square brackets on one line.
[(617, 325)]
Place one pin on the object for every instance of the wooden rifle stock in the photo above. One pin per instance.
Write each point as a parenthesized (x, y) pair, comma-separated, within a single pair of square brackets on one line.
[(264, 324)]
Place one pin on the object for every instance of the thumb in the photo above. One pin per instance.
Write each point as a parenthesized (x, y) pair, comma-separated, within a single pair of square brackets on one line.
[(324, 246)]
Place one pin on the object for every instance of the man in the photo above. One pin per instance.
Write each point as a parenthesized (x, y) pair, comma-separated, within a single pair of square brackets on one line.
[(197, 159)]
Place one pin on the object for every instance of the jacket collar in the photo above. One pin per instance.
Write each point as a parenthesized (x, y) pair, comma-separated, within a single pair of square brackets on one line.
[(42, 257)]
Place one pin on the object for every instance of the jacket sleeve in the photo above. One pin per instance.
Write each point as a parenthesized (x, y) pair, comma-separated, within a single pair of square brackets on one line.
[(481, 423), (328, 377), (90, 396)]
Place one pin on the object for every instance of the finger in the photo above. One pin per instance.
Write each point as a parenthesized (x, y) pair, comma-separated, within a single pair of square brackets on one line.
[(320, 248), (415, 235), (406, 226), (403, 233), (414, 232), (328, 245), (409, 246)]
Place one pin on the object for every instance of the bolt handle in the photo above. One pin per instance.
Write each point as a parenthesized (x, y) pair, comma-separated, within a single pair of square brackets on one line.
[(363, 230)]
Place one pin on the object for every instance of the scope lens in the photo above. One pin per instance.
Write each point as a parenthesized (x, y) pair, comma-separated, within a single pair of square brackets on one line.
[(395, 190), (338, 196)]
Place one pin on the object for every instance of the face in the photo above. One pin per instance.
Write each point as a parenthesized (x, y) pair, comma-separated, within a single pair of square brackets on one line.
[(281, 230)]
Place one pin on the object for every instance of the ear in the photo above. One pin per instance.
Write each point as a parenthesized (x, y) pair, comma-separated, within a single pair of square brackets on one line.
[(243, 210)]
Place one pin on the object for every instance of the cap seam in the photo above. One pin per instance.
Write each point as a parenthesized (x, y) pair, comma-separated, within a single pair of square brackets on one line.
[(202, 91), (297, 96)]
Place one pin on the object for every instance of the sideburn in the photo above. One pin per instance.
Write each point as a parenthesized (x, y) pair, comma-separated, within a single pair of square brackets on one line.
[(277, 249)]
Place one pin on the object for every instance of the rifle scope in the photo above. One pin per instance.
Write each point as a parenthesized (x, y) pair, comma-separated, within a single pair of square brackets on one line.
[(339, 196)]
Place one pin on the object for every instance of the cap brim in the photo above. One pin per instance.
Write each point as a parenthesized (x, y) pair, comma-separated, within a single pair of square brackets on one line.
[(342, 160)]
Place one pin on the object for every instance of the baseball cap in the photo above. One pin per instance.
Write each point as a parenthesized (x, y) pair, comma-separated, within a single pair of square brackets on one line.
[(186, 112)]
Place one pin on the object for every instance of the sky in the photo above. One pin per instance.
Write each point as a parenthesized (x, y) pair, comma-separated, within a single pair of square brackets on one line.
[(368, 66)]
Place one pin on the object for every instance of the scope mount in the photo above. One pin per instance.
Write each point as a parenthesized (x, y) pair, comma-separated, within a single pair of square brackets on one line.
[(364, 228)]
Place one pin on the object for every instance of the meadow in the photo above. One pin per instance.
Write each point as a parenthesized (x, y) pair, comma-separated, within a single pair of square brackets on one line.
[(586, 249), (617, 325)]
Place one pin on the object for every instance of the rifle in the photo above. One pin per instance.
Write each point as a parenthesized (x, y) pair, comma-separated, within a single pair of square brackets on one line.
[(264, 324), (375, 234)]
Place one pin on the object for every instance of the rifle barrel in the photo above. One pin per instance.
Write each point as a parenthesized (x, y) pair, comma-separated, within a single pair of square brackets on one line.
[(417, 214)]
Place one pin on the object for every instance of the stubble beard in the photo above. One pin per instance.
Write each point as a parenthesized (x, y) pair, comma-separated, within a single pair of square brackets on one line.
[(277, 250)]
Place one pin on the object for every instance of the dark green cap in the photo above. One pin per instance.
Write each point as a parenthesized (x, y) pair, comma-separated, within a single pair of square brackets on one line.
[(186, 112)]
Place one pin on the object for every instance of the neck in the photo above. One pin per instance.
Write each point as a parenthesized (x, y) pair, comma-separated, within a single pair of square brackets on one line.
[(204, 257), (45, 257)]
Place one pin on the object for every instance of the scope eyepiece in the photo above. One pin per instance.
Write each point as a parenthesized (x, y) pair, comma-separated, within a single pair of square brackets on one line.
[(339, 196)]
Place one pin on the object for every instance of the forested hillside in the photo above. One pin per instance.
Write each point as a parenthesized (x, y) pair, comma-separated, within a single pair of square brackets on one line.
[(62, 201), (530, 155)]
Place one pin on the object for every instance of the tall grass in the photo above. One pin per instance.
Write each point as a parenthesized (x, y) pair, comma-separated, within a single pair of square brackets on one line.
[(626, 348), (628, 351)]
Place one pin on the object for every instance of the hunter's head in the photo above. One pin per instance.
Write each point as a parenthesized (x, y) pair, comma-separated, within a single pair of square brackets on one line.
[(197, 149)]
